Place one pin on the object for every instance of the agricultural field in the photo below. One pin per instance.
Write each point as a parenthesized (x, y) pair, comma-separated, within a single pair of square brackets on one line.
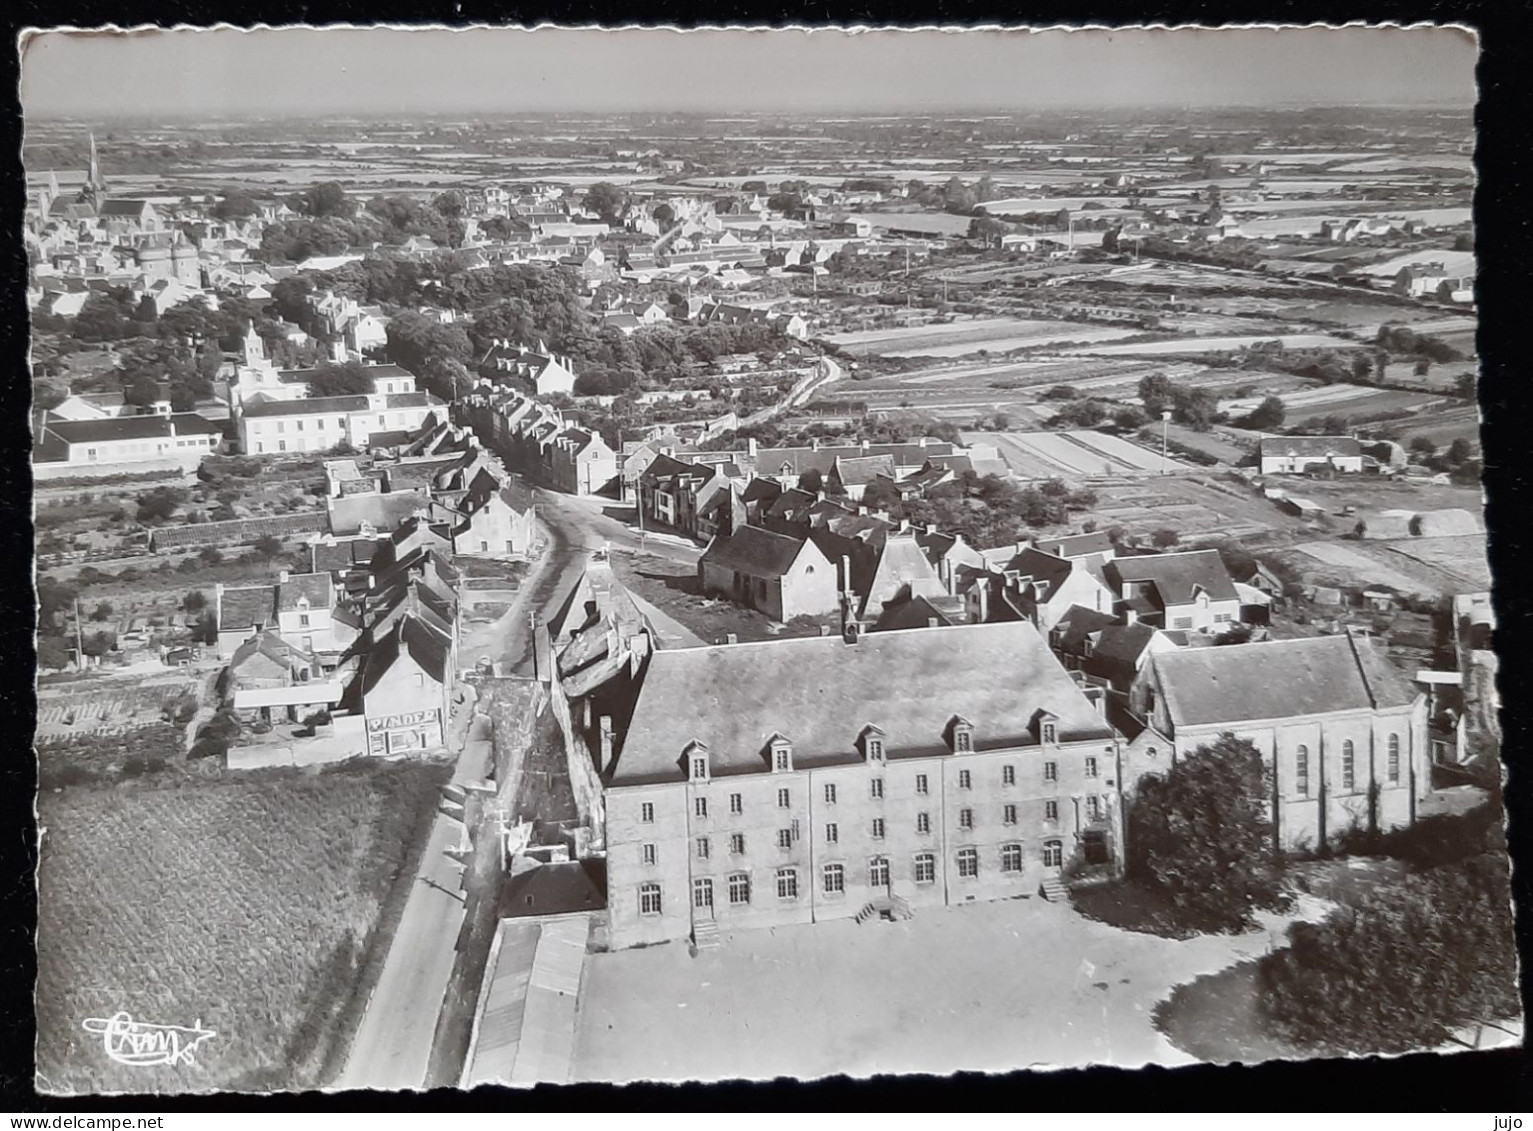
[(1074, 454), (249, 906), (957, 339), (1357, 401), (1175, 346), (1462, 557)]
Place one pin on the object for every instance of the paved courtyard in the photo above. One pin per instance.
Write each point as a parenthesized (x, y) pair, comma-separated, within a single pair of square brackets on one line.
[(982, 987)]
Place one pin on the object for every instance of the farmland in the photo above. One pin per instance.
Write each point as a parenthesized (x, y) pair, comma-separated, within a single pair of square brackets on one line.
[(965, 337), (1175, 346), (1075, 454), (250, 906)]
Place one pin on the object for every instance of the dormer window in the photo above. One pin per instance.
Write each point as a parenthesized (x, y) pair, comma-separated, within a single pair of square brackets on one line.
[(1048, 729), (697, 761), (961, 734), (873, 747), (782, 755)]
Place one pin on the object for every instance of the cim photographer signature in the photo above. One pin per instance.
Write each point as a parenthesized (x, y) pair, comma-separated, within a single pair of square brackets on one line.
[(142, 1044)]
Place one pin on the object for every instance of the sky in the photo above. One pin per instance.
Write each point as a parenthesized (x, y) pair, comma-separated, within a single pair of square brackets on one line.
[(319, 72)]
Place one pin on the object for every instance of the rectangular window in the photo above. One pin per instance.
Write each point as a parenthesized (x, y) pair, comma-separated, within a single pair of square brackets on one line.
[(303, 620), (649, 899), (963, 741), (1051, 810), (926, 868), (1301, 771), (965, 781), (737, 843), (923, 823), (877, 789), (921, 783), (830, 794), (1050, 733), (1091, 766), (1181, 622), (1348, 766), (736, 803), (702, 893), (702, 848), (1011, 857), (787, 883), (647, 853), (784, 838), (833, 879), (968, 863), (878, 872), (700, 806), (782, 799), (739, 888), (1008, 814), (1008, 775), (647, 812), (832, 834), (1094, 808), (966, 818), (1051, 771), (878, 828)]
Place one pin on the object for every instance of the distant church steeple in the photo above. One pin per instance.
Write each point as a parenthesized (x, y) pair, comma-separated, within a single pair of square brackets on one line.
[(95, 187)]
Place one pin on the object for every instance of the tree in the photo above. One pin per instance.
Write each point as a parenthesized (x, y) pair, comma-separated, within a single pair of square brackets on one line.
[(102, 611), (101, 319), (1422, 446), (1129, 418), (268, 546), (881, 495), (1464, 387), (1448, 935), (1423, 366), (328, 198), (1459, 451), (607, 201), (1267, 416), (52, 652), (1080, 413), (160, 503), (664, 214), (236, 204), (1196, 408), (195, 601), (1199, 836), (349, 378), (987, 230), (1155, 391), (811, 481), (1165, 538)]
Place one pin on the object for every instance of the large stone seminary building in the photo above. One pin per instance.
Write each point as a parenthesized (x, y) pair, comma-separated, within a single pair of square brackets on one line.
[(799, 780)]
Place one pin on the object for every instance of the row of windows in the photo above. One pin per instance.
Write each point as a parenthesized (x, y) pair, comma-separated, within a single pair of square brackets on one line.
[(1092, 769), (1348, 765), (1094, 809), (833, 876)]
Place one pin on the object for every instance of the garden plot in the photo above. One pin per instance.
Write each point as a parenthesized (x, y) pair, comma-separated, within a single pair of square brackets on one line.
[(85, 711), (1076, 454), (1361, 402), (1461, 557), (1360, 568)]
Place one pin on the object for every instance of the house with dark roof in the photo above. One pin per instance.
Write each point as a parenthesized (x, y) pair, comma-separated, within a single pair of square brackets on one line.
[(496, 524), (1342, 732), (917, 768), (242, 611), (1189, 590), (1038, 587), (1301, 455), (561, 888), (851, 475), (777, 574), (184, 437), (1108, 649), (404, 690)]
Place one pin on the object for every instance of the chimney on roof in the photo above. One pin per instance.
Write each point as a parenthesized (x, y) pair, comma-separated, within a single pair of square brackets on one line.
[(1130, 615), (931, 528), (850, 632), (605, 726), (731, 638), (864, 445), (819, 496), (862, 510), (751, 447), (824, 630), (282, 576), (984, 600), (931, 622), (904, 524), (814, 443)]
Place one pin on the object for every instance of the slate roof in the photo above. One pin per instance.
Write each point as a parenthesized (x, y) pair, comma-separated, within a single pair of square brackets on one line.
[(761, 489), (311, 406), (1277, 679), (821, 693), (918, 613), (1175, 576), (247, 606), (271, 646), (410, 637), (862, 470), (555, 889), (753, 551), (412, 400), (1076, 545), (132, 428), (315, 587), (343, 554)]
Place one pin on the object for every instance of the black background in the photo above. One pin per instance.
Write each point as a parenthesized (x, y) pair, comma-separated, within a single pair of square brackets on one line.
[(1494, 1081)]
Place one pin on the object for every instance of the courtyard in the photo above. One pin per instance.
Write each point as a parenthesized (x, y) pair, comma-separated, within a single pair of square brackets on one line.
[(981, 987)]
